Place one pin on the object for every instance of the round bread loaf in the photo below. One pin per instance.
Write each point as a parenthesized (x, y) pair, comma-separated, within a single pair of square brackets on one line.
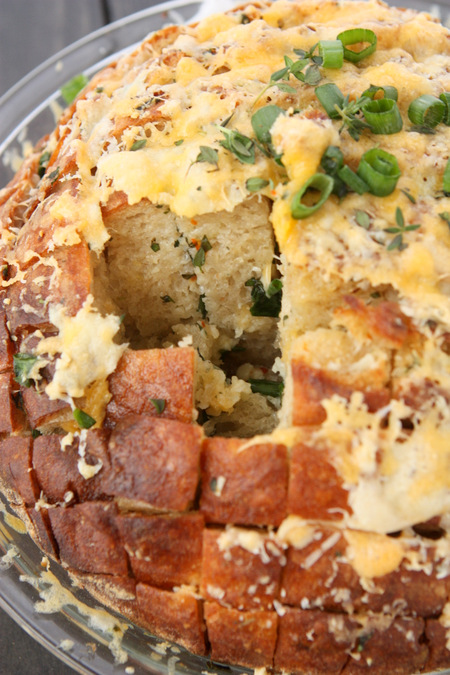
[(225, 338)]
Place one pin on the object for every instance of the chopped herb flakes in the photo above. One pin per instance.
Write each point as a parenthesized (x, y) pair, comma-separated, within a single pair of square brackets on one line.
[(83, 420), (53, 177), (23, 365), (167, 298), (159, 404), (179, 142), (265, 303), (201, 306), (155, 246), (267, 388), (71, 89)]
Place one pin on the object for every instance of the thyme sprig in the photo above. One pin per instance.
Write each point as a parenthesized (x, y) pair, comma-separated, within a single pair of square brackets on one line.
[(399, 230)]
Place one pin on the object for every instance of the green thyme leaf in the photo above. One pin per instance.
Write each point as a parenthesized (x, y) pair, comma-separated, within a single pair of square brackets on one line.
[(255, 184), (167, 298), (22, 366), (71, 89), (409, 196), (155, 246), (137, 145), (208, 155), (83, 420), (263, 120), (179, 142), (241, 146), (267, 388), (35, 433), (363, 219), (159, 404)]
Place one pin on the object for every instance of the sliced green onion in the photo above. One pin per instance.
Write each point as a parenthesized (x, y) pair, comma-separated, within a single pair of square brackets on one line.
[(389, 92), (83, 420), (330, 96), (383, 116), (445, 98), (332, 53), (352, 180), (446, 179), (319, 181), (356, 36), (23, 365), (380, 170), (426, 111)]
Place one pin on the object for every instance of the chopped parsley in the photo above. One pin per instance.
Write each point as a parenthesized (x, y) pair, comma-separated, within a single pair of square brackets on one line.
[(267, 388), (43, 162), (23, 364), (83, 420), (265, 303), (159, 404), (201, 306), (200, 256), (53, 177)]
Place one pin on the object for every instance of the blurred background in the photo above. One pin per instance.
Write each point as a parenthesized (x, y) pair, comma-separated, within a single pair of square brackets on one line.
[(30, 32)]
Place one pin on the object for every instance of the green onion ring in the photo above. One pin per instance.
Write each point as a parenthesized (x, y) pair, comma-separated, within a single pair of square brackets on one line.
[(388, 92), (383, 116), (445, 98), (355, 36), (380, 170), (426, 111), (319, 181), (332, 53)]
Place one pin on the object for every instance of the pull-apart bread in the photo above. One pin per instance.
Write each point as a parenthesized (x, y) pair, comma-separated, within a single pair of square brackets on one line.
[(225, 338)]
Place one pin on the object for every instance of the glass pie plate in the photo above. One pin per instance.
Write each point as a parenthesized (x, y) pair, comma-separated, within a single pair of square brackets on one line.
[(42, 600)]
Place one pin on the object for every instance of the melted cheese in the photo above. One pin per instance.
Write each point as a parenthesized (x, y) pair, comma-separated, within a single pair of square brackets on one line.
[(88, 353)]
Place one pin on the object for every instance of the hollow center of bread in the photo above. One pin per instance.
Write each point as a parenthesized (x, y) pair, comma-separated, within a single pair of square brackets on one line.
[(177, 279)]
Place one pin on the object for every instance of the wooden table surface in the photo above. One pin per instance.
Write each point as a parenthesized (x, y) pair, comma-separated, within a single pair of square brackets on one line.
[(30, 32)]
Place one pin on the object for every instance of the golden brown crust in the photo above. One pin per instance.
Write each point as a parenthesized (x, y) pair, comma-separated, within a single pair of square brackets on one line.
[(245, 638), (143, 375), (254, 482)]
